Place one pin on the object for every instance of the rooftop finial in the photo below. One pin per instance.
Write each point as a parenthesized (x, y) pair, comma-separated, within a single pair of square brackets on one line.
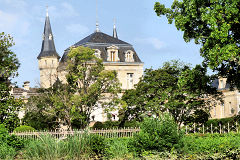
[(47, 10), (114, 29), (97, 24), (114, 23)]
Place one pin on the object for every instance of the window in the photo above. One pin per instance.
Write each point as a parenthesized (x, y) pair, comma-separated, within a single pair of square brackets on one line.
[(223, 110), (221, 84), (129, 80), (113, 56), (97, 53), (230, 108), (112, 53), (129, 56)]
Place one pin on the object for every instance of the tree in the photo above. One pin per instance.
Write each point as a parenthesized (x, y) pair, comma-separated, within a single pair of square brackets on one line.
[(89, 87), (175, 88), (9, 64), (215, 25)]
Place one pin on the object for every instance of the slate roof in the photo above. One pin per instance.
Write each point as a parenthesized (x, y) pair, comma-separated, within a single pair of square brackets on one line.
[(101, 41), (48, 47), (99, 37)]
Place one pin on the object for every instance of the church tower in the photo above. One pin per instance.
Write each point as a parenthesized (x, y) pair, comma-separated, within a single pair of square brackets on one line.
[(48, 59)]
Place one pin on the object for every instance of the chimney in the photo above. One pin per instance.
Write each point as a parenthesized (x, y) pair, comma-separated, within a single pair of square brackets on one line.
[(26, 85)]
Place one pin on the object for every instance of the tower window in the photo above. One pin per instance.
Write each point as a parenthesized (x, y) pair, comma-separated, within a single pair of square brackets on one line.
[(129, 80)]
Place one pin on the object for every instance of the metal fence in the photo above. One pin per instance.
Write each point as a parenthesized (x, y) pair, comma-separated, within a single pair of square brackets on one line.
[(129, 132), (219, 128), (62, 134)]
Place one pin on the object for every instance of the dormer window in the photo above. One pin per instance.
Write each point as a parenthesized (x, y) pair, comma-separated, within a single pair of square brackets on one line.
[(129, 56), (97, 53), (112, 53)]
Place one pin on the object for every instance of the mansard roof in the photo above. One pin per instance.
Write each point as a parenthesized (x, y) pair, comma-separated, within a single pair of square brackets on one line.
[(48, 47), (102, 41)]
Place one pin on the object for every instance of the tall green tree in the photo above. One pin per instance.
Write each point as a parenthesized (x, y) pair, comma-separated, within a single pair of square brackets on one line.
[(215, 25), (88, 88), (9, 64), (175, 88)]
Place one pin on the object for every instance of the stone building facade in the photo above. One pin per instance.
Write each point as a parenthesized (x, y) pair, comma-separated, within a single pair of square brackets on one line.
[(116, 55), (230, 105)]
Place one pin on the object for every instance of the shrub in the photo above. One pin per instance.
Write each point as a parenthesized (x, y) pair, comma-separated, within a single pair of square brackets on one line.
[(159, 134), (97, 144), (98, 125), (131, 124), (24, 128), (111, 124)]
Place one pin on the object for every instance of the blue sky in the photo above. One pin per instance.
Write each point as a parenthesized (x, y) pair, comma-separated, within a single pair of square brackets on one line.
[(153, 38)]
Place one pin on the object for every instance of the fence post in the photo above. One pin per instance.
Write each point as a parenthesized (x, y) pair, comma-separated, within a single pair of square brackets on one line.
[(194, 125), (220, 128), (211, 129), (237, 126), (203, 128), (228, 127), (186, 129)]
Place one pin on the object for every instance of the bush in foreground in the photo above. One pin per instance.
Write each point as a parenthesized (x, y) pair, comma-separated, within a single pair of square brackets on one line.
[(9, 144), (157, 134)]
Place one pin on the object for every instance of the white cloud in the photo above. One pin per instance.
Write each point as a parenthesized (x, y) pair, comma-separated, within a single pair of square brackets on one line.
[(155, 42), (77, 29)]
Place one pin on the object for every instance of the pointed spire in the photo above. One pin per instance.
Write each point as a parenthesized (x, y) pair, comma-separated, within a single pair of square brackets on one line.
[(48, 47), (97, 24), (47, 11), (114, 30)]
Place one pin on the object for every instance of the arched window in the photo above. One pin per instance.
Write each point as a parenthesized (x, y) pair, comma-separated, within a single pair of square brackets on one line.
[(97, 53), (129, 56)]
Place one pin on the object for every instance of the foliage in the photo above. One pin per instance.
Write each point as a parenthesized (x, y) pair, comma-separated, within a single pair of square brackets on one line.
[(23, 128), (212, 146), (48, 148), (175, 88), (214, 25), (159, 134), (9, 64), (223, 121), (36, 117), (98, 125), (97, 144), (88, 83), (6, 151), (117, 148), (9, 144)]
